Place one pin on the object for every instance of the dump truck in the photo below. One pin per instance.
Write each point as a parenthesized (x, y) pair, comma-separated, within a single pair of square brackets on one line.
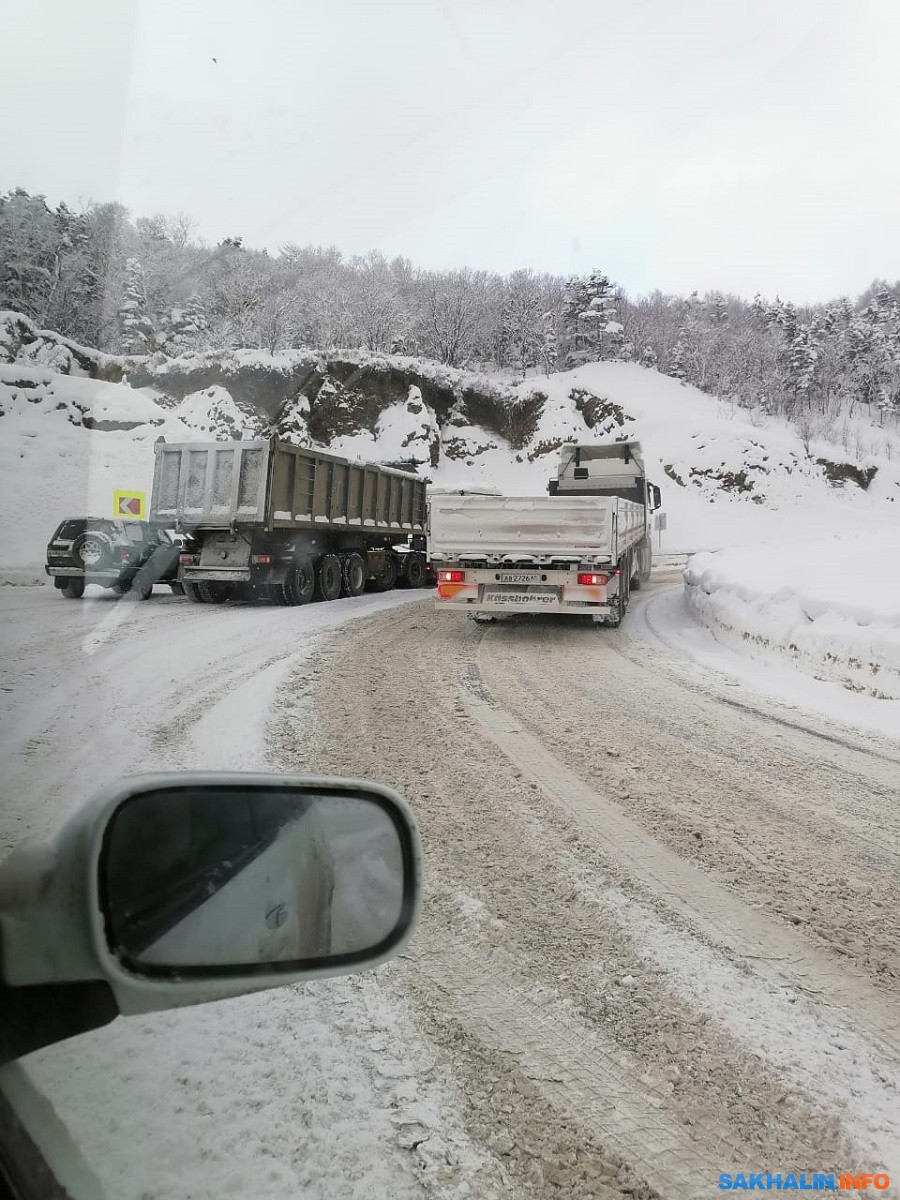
[(269, 520), (579, 550)]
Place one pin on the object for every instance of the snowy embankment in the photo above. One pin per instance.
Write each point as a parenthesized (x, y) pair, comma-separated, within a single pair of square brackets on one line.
[(829, 605)]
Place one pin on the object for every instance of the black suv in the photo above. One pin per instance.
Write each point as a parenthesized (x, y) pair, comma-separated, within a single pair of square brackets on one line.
[(125, 556)]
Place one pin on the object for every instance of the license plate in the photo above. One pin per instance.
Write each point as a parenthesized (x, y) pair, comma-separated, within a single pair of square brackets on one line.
[(517, 599), (520, 577)]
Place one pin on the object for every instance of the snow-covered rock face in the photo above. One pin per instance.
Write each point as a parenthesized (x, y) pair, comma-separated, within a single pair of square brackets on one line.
[(410, 429), (213, 414), (22, 341), (727, 475)]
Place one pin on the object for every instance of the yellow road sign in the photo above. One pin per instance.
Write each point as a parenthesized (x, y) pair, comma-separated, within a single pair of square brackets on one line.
[(130, 505)]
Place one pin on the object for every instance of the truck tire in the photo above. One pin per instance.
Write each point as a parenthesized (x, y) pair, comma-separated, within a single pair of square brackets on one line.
[(192, 593), (93, 550), (387, 579), (353, 574), (328, 577), (300, 585), (73, 589), (416, 574), (637, 568), (615, 617)]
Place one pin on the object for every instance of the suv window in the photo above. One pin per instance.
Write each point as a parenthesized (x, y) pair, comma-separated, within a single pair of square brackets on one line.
[(133, 531)]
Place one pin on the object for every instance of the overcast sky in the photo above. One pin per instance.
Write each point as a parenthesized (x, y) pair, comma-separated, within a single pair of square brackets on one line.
[(676, 144)]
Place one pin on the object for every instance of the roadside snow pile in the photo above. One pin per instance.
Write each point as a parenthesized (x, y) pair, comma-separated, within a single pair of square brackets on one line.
[(29, 392), (830, 605)]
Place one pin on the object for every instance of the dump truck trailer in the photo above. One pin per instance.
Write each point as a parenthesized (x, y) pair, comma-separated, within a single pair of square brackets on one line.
[(579, 550), (269, 520)]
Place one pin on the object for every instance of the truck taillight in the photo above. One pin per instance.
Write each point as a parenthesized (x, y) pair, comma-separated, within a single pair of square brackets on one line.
[(591, 579), (186, 560), (263, 560), (451, 576), (124, 554)]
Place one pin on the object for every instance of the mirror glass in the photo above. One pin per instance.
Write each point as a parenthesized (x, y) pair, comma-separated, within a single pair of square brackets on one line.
[(236, 877)]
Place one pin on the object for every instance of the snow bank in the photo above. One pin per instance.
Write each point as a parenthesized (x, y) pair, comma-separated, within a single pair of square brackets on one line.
[(830, 605), (33, 391)]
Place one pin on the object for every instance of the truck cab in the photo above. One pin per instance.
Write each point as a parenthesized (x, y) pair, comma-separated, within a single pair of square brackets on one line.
[(614, 470)]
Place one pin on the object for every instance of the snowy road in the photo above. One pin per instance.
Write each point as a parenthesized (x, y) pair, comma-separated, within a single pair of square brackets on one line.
[(660, 938)]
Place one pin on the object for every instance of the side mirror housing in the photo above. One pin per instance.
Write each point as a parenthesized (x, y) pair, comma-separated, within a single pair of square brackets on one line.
[(177, 889)]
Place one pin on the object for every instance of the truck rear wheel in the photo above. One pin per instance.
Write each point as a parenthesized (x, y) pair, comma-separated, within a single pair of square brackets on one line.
[(353, 574), (328, 577), (300, 585), (387, 578), (416, 574), (73, 589), (192, 593)]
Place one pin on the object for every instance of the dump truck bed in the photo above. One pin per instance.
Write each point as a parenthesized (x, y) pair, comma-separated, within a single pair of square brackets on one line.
[(274, 485)]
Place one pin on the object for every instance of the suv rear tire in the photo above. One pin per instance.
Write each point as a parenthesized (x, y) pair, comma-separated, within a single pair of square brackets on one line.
[(73, 589), (93, 550)]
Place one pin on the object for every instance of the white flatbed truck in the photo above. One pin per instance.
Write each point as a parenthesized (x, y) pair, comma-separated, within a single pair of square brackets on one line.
[(579, 550)]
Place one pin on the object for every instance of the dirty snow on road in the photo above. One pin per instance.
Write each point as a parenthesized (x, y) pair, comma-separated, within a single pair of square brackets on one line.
[(322, 1091), (660, 935), (659, 939)]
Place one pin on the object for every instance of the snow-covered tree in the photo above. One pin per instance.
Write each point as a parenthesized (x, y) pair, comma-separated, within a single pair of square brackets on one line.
[(188, 327), (136, 332), (549, 343), (593, 331)]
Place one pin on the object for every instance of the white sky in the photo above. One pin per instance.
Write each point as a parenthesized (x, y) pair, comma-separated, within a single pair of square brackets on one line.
[(735, 144)]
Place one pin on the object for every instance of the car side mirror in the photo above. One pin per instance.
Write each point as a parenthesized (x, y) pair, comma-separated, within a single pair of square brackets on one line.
[(210, 879), (181, 888)]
